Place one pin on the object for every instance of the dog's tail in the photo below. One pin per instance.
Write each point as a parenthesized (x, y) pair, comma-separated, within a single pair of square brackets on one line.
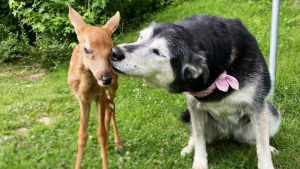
[(185, 116), (273, 109)]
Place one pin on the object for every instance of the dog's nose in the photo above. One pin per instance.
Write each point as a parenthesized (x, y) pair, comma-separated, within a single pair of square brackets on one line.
[(106, 80), (117, 55)]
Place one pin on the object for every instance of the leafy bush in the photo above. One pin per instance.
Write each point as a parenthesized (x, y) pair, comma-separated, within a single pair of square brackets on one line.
[(51, 17), (14, 47), (49, 32), (6, 17), (135, 11), (45, 18), (50, 52)]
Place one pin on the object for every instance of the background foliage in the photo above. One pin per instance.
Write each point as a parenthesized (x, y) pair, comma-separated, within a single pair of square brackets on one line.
[(39, 115), (41, 28)]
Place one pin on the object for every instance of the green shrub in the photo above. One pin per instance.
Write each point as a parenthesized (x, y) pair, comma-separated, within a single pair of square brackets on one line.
[(13, 46), (134, 12), (51, 18), (50, 52), (45, 18), (50, 32)]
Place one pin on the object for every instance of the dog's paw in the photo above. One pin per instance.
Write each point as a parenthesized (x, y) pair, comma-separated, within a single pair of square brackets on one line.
[(200, 164), (274, 150), (186, 150), (265, 166)]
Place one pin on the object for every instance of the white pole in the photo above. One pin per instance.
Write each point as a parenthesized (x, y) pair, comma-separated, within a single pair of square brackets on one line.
[(273, 45)]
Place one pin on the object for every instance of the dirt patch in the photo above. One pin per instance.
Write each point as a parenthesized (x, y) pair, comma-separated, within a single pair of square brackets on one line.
[(28, 85), (22, 131), (45, 120), (35, 76), (295, 3), (5, 74)]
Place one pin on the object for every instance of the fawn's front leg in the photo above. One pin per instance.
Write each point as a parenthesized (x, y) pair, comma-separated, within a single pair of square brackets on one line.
[(101, 132), (82, 134), (108, 113), (112, 94)]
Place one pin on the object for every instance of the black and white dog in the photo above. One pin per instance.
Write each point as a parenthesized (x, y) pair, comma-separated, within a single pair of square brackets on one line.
[(217, 63)]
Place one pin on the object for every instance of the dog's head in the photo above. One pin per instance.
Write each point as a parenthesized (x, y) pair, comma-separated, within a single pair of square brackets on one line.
[(165, 56), (95, 45)]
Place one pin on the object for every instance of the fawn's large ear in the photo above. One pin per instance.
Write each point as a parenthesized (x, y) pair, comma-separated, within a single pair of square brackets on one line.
[(76, 20), (113, 23)]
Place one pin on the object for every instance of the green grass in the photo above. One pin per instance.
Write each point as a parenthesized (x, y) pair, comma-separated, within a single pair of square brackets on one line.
[(147, 118)]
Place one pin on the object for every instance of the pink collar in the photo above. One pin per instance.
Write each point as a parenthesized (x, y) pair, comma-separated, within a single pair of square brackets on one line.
[(222, 83)]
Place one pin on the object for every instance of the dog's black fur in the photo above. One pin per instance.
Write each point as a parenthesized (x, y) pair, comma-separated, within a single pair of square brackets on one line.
[(199, 49), (214, 38)]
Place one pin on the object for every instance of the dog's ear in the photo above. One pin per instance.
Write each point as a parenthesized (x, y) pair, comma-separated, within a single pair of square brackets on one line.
[(195, 68), (113, 23), (76, 20), (153, 23)]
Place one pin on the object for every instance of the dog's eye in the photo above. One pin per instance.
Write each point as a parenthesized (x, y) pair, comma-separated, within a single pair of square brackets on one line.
[(156, 52)]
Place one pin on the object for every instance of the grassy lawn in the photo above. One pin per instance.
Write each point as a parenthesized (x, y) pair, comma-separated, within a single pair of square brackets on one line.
[(40, 116)]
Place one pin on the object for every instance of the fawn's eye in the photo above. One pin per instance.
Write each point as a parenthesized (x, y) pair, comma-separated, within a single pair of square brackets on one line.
[(86, 51), (156, 52)]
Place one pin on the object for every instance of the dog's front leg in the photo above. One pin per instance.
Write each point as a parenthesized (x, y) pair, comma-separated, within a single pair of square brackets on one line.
[(260, 124), (198, 119)]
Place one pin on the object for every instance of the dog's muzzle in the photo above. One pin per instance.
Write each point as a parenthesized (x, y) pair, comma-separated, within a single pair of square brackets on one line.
[(117, 55)]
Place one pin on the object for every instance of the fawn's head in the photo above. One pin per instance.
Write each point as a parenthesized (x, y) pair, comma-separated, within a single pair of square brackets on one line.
[(95, 45)]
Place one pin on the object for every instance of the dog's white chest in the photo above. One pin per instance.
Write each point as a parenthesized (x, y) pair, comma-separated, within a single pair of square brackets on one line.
[(224, 112), (230, 109)]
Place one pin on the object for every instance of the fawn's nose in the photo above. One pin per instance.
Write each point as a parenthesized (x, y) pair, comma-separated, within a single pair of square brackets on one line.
[(117, 55), (106, 80)]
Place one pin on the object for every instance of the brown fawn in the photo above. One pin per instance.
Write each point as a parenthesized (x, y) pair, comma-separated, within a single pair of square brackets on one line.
[(90, 77)]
